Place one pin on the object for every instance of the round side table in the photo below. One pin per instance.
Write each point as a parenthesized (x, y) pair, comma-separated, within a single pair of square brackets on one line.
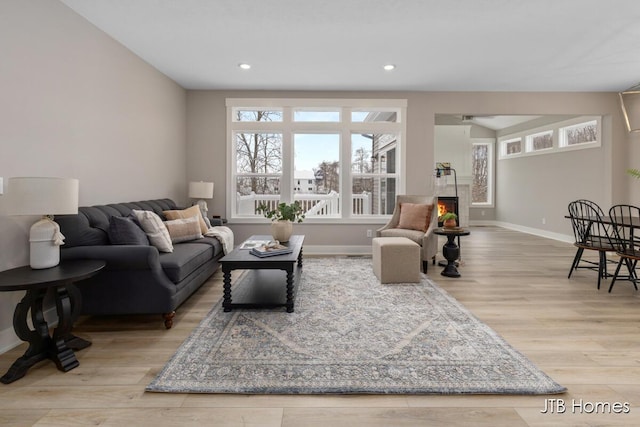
[(450, 250), (58, 346)]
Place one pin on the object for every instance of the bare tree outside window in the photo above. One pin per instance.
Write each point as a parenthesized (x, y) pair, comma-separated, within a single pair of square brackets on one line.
[(258, 153), (580, 134), (514, 147), (480, 173), (541, 141), (328, 174), (308, 140)]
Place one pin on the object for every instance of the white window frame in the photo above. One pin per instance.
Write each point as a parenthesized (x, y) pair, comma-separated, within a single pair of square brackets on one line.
[(288, 127), (558, 146)]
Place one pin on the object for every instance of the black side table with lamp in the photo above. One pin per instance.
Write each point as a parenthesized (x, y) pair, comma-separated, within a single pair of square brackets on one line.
[(46, 196)]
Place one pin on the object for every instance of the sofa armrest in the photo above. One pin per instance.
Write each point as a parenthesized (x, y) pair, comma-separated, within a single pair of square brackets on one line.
[(121, 257)]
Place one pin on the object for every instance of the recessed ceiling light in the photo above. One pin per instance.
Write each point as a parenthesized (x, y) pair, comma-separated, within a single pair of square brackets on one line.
[(244, 66), (389, 67)]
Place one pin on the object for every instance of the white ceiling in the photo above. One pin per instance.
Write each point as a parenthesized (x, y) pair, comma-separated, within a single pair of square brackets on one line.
[(437, 45)]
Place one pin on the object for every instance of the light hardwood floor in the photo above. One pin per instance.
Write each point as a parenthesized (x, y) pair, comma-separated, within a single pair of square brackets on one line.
[(585, 339)]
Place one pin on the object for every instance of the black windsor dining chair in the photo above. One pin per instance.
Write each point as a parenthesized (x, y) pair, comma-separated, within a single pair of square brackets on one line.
[(626, 239), (590, 233)]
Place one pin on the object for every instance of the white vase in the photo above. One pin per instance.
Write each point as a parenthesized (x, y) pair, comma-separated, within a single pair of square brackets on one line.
[(281, 230)]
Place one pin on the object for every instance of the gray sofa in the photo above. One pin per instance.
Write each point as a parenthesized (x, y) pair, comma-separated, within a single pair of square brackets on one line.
[(138, 279)]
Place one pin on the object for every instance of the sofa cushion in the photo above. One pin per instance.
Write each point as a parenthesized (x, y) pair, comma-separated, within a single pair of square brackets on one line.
[(415, 216), (184, 229), (124, 231), (89, 226), (187, 213), (155, 229), (185, 259), (414, 235)]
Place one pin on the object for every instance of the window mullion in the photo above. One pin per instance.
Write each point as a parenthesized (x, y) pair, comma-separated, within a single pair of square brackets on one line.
[(286, 189), (345, 164)]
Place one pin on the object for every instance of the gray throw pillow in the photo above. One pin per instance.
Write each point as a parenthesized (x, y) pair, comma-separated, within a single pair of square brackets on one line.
[(125, 231)]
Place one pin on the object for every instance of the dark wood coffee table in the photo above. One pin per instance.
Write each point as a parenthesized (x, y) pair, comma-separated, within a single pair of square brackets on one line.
[(264, 285)]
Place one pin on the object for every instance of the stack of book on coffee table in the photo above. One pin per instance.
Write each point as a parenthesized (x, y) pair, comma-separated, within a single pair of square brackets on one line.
[(270, 249)]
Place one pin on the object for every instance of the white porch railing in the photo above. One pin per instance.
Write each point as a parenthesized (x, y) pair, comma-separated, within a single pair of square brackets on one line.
[(314, 205)]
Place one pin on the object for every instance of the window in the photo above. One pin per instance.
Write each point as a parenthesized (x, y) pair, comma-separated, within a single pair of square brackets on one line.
[(574, 134), (540, 141), (316, 115), (253, 115), (340, 158), (374, 116), (482, 173), (318, 155), (513, 146), (373, 168), (581, 133), (258, 167)]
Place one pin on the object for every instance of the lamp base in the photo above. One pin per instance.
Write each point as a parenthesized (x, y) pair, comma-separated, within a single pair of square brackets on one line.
[(203, 207), (44, 252)]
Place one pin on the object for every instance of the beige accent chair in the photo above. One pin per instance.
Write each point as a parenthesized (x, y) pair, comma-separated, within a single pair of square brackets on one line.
[(428, 241)]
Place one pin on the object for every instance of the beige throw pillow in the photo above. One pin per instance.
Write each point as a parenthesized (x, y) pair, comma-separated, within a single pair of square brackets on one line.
[(183, 230), (415, 216), (155, 229), (188, 213)]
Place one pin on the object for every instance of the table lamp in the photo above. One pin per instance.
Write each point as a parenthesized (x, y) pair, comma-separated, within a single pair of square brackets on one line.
[(201, 190), (47, 197)]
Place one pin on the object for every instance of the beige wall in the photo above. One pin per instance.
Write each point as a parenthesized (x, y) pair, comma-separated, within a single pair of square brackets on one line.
[(75, 103), (528, 189), (633, 162)]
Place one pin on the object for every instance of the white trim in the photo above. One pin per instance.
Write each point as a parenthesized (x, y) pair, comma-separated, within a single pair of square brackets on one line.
[(535, 231), (278, 103)]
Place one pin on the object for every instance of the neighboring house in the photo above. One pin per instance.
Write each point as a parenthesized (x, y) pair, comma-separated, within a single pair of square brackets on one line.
[(304, 182)]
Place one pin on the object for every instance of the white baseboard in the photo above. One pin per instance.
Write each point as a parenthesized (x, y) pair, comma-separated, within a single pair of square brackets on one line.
[(535, 231)]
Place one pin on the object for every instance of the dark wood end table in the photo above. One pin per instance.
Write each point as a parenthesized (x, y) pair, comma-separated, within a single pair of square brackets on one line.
[(263, 286), (58, 346), (450, 250)]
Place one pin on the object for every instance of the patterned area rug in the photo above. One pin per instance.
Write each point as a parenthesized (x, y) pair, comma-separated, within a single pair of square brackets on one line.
[(350, 334)]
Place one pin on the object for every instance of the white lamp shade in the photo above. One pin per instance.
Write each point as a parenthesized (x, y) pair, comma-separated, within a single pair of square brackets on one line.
[(201, 190), (42, 196)]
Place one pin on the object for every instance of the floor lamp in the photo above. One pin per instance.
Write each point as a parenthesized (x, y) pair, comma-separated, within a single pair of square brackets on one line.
[(442, 170)]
